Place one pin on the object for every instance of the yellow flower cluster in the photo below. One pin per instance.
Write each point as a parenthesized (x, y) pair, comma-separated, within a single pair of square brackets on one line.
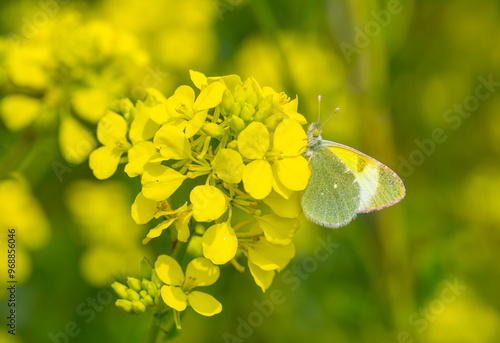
[(67, 73), (237, 149)]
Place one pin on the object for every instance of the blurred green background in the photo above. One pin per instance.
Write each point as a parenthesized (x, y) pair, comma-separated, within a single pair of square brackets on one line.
[(417, 84)]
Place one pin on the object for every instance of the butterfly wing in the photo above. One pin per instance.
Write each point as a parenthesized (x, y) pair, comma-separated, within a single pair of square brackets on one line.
[(331, 197), (379, 186)]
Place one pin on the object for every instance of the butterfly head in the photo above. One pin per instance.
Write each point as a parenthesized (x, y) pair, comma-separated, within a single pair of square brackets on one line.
[(314, 138)]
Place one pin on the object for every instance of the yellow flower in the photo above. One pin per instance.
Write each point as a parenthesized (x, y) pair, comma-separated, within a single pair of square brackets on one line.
[(178, 289), (138, 156), (289, 171), (278, 230), (171, 217), (18, 111), (220, 243), (183, 110), (209, 203), (159, 182), (228, 165), (265, 258), (111, 132), (172, 143)]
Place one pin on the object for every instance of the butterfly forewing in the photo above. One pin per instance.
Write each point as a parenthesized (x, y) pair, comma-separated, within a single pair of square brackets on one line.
[(331, 197), (379, 186)]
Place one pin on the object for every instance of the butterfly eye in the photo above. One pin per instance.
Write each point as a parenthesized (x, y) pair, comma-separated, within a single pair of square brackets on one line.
[(316, 133)]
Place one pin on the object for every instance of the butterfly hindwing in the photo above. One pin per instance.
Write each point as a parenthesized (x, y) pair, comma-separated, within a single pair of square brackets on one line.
[(331, 197), (379, 186)]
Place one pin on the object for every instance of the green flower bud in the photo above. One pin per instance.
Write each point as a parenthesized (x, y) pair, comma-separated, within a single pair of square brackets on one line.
[(143, 293), (147, 301), (133, 295), (134, 284), (237, 124), (273, 121), (152, 289), (235, 109), (262, 114), (239, 95), (145, 284), (252, 99), (120, 290), (138, 307), (227, 103), (247, 112), (213, 130), (124, 305), (146, 268)]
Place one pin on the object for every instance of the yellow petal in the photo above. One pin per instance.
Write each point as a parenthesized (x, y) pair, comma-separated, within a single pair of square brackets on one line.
[(253, 141), (112, 129), (104, 160), (182, 226), (270, 256), (76, 141), (91, 103), (220, 243), (258, 179), (278, 186), (210, 96), (291, 111), (138, 156), (169, 271), (289, 138), (203, 271), (288, 208), (143, 127), (204, 303), (196, 123), (18, 111), (209, 203), (157, 230), (143, 209), (160, 182), (293, 172), (156, 113), (181, 102), (278, 230), (228, 165), (174, 297), (172, 142), (199, 79), (263, 278)]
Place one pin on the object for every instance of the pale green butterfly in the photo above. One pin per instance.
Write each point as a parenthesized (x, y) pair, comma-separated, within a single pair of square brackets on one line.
[(345, 182)]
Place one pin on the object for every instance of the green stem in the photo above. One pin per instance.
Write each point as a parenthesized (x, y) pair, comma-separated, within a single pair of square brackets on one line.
[(153, 331)]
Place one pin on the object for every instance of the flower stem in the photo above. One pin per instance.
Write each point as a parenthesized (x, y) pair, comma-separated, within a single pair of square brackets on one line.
[(153, 331)]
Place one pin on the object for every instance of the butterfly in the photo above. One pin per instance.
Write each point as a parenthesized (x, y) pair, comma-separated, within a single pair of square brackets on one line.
[(345, 182)]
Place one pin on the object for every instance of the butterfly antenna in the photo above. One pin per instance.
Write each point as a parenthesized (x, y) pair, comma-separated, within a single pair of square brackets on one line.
[(319, 107), (336, 110)]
